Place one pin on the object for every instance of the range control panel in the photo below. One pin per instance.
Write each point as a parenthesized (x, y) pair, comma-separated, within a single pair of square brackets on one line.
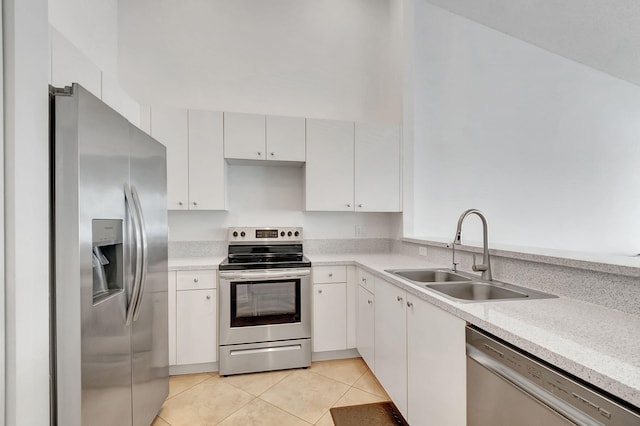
[(267, 235)]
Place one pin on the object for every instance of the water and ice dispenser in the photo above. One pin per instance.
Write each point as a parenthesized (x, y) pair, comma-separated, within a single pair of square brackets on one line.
[(107, 258)]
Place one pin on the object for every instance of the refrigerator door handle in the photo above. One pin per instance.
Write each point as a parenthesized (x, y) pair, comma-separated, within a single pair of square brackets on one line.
[(135, 290), (145, 251)]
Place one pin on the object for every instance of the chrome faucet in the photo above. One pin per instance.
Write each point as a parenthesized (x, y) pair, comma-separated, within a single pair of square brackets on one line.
[(485, 266)]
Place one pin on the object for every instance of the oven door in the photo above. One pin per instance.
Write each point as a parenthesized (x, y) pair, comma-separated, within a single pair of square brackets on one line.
[(264, 305)]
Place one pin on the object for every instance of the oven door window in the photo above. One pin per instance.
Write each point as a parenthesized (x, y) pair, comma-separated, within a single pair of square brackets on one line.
[(265, 302)]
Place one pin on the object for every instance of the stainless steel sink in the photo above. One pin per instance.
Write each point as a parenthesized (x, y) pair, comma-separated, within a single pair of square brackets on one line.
[(463, 287), (476, 291), (429, 275)]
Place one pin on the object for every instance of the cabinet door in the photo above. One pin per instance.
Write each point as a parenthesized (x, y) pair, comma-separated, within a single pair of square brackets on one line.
[(352, 307), (329, 317), (206, 161), (172, 317), (196, 334), (391, 342), (377, 167), (365, 326), (170, 127), (436, 366), (329, 166), (244, 136), (285, 138)]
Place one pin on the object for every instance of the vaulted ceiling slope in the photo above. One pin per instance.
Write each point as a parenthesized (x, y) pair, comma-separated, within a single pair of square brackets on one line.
[(603, 34)]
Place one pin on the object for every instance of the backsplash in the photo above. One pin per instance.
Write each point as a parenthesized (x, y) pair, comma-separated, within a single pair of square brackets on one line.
[(616, 291), (355, 245), (181, 249)]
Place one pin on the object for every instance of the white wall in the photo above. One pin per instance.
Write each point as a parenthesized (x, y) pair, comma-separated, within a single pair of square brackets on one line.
[(546, 147), (321, 59), (273, 196), (92, 26), (26, 211)]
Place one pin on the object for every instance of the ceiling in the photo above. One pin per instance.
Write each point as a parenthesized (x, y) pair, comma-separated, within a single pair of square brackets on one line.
[(603, 34)]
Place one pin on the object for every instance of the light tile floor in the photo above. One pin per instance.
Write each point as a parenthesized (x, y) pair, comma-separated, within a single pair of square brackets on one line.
[(281, 398)]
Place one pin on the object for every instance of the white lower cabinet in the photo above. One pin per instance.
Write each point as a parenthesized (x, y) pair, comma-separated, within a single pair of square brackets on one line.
[(390, 342), (329, 317), (172, 318), (196, 326), (365, 326), (193, 318), (436, 366)]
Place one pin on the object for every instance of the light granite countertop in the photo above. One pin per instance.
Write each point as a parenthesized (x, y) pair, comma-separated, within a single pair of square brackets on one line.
[(594, 343)]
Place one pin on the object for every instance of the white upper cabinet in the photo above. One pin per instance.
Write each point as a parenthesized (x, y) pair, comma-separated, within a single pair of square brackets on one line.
[(377, 167), (244, 136), (352, 167), (195, 163), (259, 137), (285, 138), (206, 161), (329, 166), (170, 127)]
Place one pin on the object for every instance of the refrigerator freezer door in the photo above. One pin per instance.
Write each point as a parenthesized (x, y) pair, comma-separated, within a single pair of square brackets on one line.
[(150, 328), (93, 344)]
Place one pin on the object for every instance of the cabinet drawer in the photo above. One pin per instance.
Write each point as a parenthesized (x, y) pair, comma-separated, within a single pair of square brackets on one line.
[(329, 274), (365, 279), (196, 280)]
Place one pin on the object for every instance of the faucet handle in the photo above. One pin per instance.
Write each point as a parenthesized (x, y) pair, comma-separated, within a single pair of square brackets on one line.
[(477, 268)]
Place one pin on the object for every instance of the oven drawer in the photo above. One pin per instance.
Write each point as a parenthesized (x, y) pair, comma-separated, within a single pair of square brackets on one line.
[(329, 274), (196, 280)]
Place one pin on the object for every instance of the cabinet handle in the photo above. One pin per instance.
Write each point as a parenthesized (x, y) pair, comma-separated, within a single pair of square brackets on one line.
[(195, 280), (195, 204), (272, 154), (364, 280), (360, 205), (179, 203), (330, 275), (320, 291), (409, 304), (259, 154), (208, 297), (369, 301), (399, 298), (348, 204)]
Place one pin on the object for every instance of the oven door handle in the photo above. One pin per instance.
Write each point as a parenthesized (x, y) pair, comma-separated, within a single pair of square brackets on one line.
[(265, 275)]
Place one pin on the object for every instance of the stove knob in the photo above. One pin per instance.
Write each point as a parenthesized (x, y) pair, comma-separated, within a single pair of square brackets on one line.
[(282, 234), (242, 234), (235, 233), (289, 233), (296, 233)]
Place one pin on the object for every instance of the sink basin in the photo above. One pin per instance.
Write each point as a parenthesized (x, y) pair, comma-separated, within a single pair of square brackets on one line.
[(429, 275), (476, 291), (463, 287)]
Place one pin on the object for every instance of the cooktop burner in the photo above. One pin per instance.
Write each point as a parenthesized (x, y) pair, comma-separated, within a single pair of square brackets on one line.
[(265, 248)]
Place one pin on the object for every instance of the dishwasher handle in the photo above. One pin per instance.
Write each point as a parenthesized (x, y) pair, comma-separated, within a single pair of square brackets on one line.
[(529, 387)]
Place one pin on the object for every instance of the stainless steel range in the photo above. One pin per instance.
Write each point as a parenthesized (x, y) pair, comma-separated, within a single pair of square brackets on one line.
[(265, 301)]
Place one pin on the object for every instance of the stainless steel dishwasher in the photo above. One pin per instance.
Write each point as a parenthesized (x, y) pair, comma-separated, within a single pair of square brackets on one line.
[(507, 387)]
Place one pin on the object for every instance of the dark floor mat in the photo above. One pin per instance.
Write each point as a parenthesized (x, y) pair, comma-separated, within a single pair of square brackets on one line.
[(377, 414)]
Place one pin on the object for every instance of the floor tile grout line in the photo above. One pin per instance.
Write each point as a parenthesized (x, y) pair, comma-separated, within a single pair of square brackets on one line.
[(285, 411), (190, 387), (239, 408)]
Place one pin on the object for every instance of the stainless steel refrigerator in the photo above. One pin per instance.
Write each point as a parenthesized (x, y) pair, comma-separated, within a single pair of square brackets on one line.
[(109, 294)]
